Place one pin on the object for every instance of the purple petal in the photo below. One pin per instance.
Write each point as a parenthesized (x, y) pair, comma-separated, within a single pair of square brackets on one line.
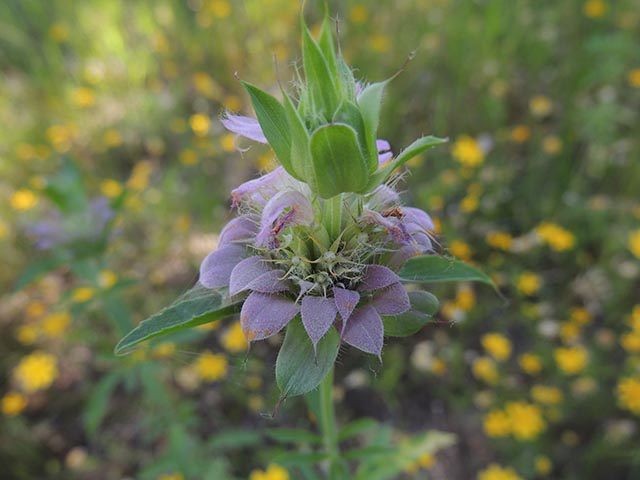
[(318, 314), (264, 315), (346, 301), (377, 276), (400, 256), (254, 273), (261, 189), (284, 209), (392, 300), (391, 224), (382, 146), (244, 126), (418, 217), (383, 196), (240, 229), (270, 282), (384, 158), (365, 330), (215, 269)]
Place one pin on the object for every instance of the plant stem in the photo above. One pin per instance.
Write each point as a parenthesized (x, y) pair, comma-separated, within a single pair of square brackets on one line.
[(328, 428)]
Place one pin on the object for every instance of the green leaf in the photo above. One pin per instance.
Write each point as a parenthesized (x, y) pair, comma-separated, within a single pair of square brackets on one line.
[(234, 439), (300, 155), (273, 121), (370, 101), (320, 82), (198, 306), (97, 405), (298, 371), (66, 189), (438, 269), (349, 114), (407, 154), (402, 456), (423, 306), (356, 428), (325, 42), (299, 459), (292, 435), (338, 162)]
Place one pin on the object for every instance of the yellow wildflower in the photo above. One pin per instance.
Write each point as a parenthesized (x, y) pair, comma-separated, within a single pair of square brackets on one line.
[(139, 178), (485, 369), (380, 43), (530, 363), (36, 371), (163, 350), (358, 14), (59, 32), (631, 342), (634, 243), (555, 236), (540, 106), (27, 334), (628, 392), (83, 97), (551, 145), (467, 151), (426, 460), (543, 465), (112, 138), (12, 404), (529, 283), (438, 367), (228, 142), (499, 240), (188, 157), (233, 102), (580, 315), (497, 345), (35, 309), (23, 200), (469, 204), (255, 403), (465, 298), (520, 133), (82, 294), (55, 324), (571, 360), (220, 8), (233, 339), (199, 123), (546, 395), (107, 279), (526, 420), (171, 476), (211, 366), (634, 77), (111, 188), (273, 472), (569, 331), (496, 472), (497, 424), (594, 8), (460, 249)]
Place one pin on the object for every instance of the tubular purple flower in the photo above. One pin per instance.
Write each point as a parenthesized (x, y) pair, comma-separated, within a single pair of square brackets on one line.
[(244, 126), (284, 209)]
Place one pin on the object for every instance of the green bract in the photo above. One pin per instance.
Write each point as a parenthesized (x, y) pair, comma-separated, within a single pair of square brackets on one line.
[(328, 139)]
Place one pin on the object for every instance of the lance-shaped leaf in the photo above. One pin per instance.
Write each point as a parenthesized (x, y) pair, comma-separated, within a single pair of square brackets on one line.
[(407, 154), (437, 269), (198, 306), (349, 114), (273, 121), (325, 42), (320, 81), (370, 101), (298, 369), (300, 155), (338, 163), (424, 306)]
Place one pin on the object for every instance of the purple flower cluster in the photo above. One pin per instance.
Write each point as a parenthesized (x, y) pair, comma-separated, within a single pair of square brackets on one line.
[(280, 252)]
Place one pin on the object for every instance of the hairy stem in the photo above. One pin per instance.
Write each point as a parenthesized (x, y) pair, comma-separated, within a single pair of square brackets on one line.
[(328, 428)]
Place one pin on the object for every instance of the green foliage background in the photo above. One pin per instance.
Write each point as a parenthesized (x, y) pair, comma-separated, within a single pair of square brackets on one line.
[(122, 99)]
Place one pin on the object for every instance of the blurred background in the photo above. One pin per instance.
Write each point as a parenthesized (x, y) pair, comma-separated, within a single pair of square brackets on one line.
[(115, 174)]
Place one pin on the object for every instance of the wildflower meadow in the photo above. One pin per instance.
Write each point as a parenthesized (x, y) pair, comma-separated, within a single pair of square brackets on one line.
[(286, 240)]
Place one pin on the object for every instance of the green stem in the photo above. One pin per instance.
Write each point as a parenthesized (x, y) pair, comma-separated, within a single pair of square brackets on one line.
[(328, 428), (333, 216)]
